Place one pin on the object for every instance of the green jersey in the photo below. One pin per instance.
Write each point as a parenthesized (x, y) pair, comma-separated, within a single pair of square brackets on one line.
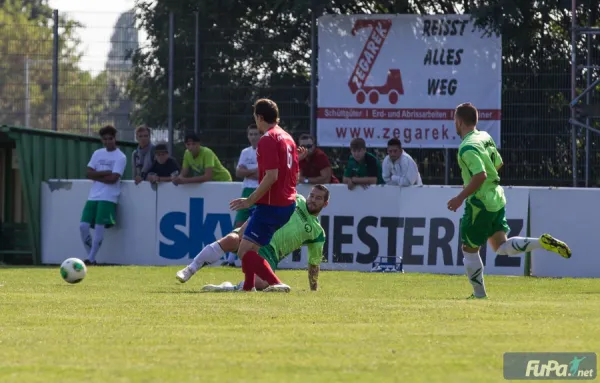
[(206, 159), (478, 153), (369, 167), (303, 229)]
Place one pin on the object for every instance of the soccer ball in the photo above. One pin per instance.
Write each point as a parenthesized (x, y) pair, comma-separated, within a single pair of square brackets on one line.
[(73, 270)]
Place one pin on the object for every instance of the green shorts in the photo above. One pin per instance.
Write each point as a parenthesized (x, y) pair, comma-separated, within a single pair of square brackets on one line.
[(266, 252), (478, 224), (99, 212), (243, 215)]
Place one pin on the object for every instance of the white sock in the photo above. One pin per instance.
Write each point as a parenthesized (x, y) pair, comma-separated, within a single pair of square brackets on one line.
[(518, 245), (86, 238), (209, 255), (97, 242), (231, 258), (474, 267)]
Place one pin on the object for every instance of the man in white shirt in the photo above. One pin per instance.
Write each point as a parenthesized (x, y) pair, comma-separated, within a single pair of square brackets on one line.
[(398, 167), (247, 168), (106, 167)]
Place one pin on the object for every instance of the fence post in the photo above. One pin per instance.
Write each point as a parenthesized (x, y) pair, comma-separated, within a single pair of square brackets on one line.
[(55, 62), (313, 68), (446, 166), (573, 87), (588, 81), (27, 96), (197, 74), (171, 64)]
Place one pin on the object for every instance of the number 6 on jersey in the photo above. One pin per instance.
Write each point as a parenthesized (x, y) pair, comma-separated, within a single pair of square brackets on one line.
[(290, 156)]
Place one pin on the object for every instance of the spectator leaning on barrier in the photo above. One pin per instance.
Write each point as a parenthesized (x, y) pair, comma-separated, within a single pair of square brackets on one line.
[(247, 168), (164, 168), (200, 164), (363, 168), (105, 168), (315, 167), (399, 168), (143, 156)]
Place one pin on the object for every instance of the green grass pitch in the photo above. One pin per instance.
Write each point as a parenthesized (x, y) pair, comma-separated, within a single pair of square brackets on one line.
[(138, 324)]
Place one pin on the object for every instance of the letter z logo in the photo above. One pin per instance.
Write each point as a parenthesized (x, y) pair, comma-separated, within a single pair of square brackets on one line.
[(393, 86)]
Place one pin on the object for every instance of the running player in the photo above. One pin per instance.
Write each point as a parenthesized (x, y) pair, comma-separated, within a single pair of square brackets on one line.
[(275, 197), (302, 229), (484, 217)]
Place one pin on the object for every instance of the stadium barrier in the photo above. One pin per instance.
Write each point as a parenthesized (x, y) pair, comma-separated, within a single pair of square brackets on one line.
[(169, 225)]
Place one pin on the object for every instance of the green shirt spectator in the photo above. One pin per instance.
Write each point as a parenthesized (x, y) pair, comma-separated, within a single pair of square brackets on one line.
[(363, 168), (200, 164)]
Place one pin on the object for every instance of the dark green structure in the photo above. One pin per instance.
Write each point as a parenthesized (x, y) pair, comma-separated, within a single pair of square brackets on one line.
[(41, 155)]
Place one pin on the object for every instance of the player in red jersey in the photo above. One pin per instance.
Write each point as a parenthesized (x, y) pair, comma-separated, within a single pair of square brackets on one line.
[(275, 197)]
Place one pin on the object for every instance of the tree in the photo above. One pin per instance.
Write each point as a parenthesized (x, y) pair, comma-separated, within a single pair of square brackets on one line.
[(26, 45), (36, 9), (262, 48)]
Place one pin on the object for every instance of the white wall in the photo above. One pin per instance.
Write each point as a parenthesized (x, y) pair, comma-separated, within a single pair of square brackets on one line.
[(573, 215), (169, 225)]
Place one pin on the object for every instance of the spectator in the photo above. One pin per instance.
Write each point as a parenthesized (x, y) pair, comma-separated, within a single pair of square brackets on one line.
[(164, 168), (363, 168), (143, 156), (247, 169), (315, 168), (105, 168), (200, 164), (399, 168)]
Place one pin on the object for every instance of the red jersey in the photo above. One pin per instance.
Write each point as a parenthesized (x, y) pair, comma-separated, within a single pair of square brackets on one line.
[(311, 166), (277, 150)]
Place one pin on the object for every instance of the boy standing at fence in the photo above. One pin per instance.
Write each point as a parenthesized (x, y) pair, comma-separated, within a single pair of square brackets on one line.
[(106, 167), (484, 218)]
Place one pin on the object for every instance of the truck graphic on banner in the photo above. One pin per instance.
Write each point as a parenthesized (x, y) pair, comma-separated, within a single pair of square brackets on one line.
[(393, 86)]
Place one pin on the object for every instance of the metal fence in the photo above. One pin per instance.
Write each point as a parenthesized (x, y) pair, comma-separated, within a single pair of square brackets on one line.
[(92, 92), (50, 80)]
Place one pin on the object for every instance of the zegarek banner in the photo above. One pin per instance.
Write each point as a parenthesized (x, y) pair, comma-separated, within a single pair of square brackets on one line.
[(384, 76)]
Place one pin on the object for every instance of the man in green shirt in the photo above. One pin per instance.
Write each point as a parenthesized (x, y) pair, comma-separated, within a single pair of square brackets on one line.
[(200, 164), (484, 217), (363, 168), (303, 229)]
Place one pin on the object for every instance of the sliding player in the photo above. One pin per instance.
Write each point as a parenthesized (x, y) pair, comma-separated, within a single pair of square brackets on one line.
[(302, 229)]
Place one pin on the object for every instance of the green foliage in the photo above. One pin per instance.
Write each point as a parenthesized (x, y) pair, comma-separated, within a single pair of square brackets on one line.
[(252, 48), (26, 35)]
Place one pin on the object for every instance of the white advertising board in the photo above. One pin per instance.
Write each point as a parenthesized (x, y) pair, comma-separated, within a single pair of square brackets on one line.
[(572, 215), (168, 226), (412, 222), (131, 241)]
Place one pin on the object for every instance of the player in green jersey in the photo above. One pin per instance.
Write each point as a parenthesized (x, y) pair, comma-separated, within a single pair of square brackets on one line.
[(303, 229), (484, 217)]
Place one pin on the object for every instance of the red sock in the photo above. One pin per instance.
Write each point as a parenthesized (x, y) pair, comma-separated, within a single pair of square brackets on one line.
[(261, 268), (248, 269)]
